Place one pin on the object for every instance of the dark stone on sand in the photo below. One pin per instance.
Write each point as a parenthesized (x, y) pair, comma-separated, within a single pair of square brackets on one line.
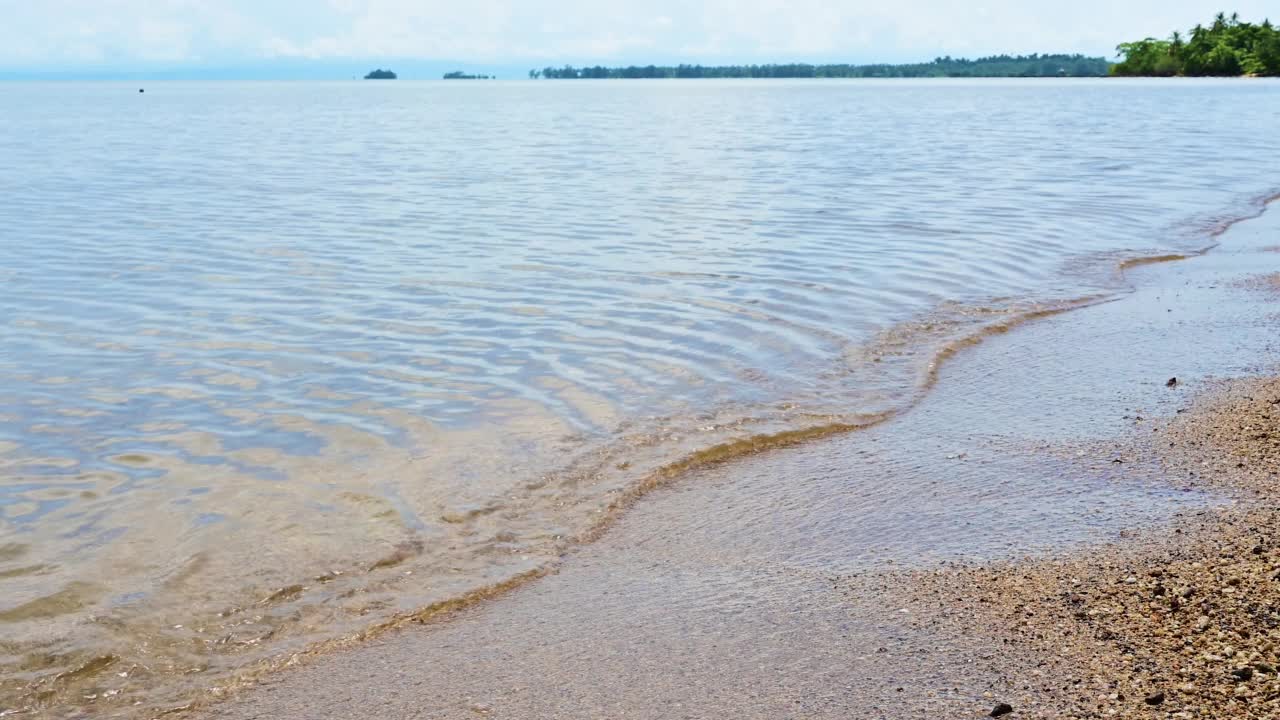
[(1154, 699), (1001, 710), (1264, 668), (1242, 674), (1173, 382)]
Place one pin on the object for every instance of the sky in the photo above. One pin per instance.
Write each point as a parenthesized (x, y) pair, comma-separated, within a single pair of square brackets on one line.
[(179, 36)]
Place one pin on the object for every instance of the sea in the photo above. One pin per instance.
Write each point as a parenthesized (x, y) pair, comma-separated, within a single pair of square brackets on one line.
[(283, 365)]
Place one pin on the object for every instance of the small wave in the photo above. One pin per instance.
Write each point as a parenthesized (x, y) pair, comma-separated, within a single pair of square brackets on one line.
[(260, 397)]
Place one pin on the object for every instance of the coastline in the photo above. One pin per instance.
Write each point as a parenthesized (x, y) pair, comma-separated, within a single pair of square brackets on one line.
[(652, 476), (540, 391), (562, 641), (1175, 621)]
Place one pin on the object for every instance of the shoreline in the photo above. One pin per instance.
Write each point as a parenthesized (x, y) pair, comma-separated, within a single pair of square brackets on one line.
[(326, 477), (348, 428), (656, 477), (515, 627)]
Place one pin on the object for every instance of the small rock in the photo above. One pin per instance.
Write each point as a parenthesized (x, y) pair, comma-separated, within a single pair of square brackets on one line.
[(1264, 668), (1154, 699), (1172, 382), (1242, 674), (1001, 710)]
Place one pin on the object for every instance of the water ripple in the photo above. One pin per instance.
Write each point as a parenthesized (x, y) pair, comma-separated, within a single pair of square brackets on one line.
[(269, 347)]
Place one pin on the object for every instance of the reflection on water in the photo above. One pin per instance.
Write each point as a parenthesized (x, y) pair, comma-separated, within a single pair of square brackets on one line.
[(282, 361)]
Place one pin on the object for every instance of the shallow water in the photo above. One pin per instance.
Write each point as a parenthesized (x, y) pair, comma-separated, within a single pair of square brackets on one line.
[(283, 360), (772, 586)]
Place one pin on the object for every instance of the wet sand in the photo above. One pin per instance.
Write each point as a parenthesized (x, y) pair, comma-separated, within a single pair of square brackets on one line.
[(1186, 623), (977, 550)]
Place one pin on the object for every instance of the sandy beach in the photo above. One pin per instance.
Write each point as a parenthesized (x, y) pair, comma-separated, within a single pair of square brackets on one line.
[(1182, 622), (1103, 545)]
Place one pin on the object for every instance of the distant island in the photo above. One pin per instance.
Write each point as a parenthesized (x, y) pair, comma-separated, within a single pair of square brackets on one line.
[(994, 66), (459, 75), (1227, 48), (380, 74)]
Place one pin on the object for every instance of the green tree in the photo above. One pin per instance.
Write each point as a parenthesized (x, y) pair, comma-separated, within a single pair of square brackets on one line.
[(993, 66), (1228, 47), (1266, 52)]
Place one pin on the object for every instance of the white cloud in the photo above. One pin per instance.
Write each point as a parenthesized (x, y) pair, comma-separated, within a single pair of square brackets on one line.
[(55, 31), (94, 31)]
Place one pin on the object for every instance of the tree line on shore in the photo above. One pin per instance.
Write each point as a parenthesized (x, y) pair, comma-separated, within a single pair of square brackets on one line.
[(1227, 48), (994, 66)]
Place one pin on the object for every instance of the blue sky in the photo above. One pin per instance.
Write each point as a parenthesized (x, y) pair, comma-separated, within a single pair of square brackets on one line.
[(189, 35)]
